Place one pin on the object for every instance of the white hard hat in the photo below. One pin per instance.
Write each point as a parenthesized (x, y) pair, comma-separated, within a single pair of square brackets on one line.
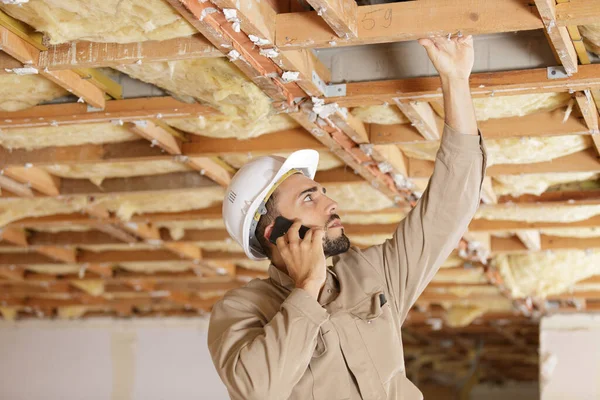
[(251, 187)]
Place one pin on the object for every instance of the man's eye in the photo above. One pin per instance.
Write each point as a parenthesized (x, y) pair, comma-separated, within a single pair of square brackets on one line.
[(308, 198)]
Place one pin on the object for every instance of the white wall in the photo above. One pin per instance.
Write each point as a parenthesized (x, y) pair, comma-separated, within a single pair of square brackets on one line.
[(570, 357), (103, 359)]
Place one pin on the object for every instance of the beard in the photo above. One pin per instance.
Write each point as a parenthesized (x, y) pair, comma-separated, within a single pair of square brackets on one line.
[(334, 246)]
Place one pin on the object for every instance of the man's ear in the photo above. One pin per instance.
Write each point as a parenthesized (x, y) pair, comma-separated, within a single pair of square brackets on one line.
[(269, 230)]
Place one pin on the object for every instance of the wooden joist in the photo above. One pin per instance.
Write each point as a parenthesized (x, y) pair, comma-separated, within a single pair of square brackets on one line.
[(36, 178), (485, 84), (531, 239), (115, 110), (588, 109), (17, 188), (82, 54), (558, 35), (411, 20), (537, 124), (577, 12), (582, 161), (340, 15), (156, 135), (423, 118), (69, 80)]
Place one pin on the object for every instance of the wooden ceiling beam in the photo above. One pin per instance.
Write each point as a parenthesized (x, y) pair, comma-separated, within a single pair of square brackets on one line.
[(395, 22), (581, 161), (577, 12), (558, 35), (35, 178), (17, 188), (588, 109), (534, 125), (340, 15), (82, 54), (115, 110), (27, 54), (156, 135), (483, 84), (14, 235), (423, 119)]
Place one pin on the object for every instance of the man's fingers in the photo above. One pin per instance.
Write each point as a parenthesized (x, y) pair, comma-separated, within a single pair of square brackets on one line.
[(281, 243), (293, 235), (426, 42), (308, 236)]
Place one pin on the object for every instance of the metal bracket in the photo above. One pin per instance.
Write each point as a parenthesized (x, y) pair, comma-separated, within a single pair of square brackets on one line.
[(557, 73), (334, 90)]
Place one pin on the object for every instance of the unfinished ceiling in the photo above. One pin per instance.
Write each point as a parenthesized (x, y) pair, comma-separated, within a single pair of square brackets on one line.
[(111, 197)]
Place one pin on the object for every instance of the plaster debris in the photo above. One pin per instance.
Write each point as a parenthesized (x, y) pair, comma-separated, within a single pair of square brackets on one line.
[(289, 76), (270, 53), (323, 110), (258, 41), (231, 16)]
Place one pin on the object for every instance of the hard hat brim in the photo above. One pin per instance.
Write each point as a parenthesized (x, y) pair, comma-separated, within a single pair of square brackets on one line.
[(304, 160)]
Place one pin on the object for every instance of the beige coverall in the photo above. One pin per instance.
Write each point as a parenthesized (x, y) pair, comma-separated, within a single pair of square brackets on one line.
[(269, 340)]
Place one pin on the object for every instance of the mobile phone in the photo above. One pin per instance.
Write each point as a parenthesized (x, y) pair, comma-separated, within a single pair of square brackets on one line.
[(281, 226)]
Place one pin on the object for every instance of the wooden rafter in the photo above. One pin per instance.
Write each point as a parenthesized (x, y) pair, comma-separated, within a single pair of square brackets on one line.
[(36, 178), (559, 35), (29, 55), (340, 15), (82, 54), (412, 20), (423, 118), (588, 109), (483, 84)]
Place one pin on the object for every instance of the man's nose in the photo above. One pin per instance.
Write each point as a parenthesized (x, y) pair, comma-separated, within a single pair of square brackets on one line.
[(332, 207)]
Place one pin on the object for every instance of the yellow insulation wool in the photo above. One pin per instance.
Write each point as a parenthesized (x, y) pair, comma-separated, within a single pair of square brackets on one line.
[(65, 135), (371, 218), (546, 273), (54, 269), (572, 232), (92, 287), (63, 228), (591, 37), (98, 172), (18, 92), (237, 160), (518, 106), (538, 214), (9, 313), (222, 245), (120, 21), (524, 150), (126, 205), (12, 209), (220, 126), (358, 196), (214, 81), (177, 228), (159, 266), (381, 114), (460, 316), (71, 312), (262, 265), (517, 185), (454, 275)]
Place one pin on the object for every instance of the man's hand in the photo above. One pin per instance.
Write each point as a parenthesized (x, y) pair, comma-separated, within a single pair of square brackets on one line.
[(304, 258), (452, 57)]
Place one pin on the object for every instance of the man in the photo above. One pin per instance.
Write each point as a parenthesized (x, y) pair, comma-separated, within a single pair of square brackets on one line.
[(312, 332)]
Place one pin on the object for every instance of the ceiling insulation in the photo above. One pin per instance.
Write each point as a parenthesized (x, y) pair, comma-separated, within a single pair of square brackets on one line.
[(18, 92), (118, 21), (572, 232), (517, 185), (64, 135), (463, 314), (523, 150), (98, 172), (326, 159), (538, 213), (221, 126), (214, 81), (358, 196), (371, 218), (460, 275), (518, 106), (591, 37), (125, 205), (380, 114), (541, 274)]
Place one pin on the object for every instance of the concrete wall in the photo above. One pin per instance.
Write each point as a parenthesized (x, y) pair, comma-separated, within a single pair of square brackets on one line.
[(570, 357)]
